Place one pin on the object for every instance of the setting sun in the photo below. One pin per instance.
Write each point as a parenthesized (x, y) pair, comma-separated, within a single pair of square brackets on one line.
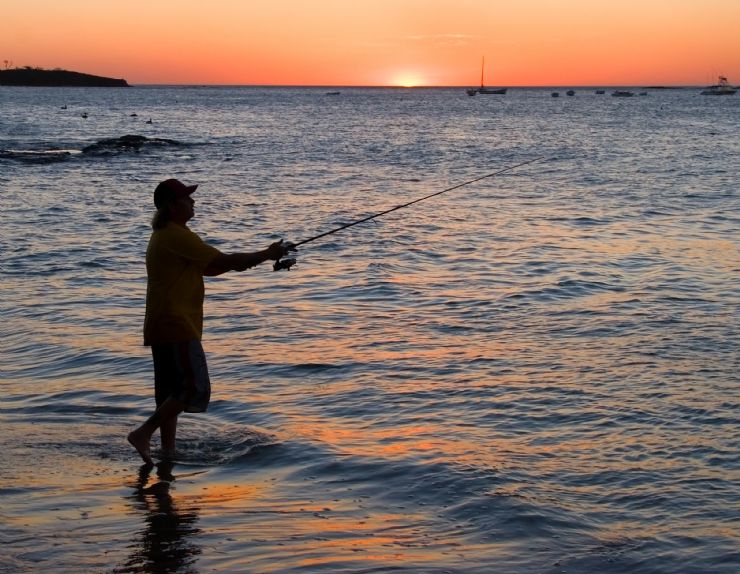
[(408, 81)]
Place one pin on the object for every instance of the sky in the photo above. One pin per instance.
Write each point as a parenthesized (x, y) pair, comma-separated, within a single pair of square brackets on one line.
[(379, 42)]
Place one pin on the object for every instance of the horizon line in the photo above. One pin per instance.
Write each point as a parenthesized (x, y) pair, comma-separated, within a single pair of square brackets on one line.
[(420, 87)]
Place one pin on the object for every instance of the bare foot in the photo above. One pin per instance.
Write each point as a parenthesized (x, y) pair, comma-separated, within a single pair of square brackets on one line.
[(141, 444)]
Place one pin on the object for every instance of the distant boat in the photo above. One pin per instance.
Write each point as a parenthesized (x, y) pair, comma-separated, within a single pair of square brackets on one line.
[(555, 94), (723, 88), (622, 94), (333, 93), (483, 89), (570, 93), (499, 91), (600, 92)]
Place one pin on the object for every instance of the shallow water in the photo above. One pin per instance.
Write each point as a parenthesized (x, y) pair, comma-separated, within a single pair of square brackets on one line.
[(534, 373)]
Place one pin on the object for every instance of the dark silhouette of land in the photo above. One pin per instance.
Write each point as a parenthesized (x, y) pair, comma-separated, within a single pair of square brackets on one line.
[(49, 78)]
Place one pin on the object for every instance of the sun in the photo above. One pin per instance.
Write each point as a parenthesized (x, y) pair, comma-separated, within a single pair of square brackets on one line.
[(408, 81)]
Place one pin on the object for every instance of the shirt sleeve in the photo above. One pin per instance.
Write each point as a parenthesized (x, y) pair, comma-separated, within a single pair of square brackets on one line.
[(191, 247)]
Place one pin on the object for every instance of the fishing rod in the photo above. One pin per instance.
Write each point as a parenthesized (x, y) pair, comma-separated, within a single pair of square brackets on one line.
[(288, 263)]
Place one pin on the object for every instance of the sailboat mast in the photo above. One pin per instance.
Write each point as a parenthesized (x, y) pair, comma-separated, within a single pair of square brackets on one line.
[(482, 65)]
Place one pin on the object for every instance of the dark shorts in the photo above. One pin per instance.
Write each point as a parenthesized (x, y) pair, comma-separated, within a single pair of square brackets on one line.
[(181, 372)]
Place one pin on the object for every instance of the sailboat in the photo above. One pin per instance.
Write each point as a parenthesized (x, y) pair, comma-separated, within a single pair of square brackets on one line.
[(483, 89)]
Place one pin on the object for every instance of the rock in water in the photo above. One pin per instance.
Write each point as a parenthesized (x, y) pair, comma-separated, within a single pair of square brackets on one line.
[(126, 143)]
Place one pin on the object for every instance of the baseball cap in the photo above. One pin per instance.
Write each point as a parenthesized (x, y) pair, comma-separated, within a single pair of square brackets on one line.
[(171, 189)]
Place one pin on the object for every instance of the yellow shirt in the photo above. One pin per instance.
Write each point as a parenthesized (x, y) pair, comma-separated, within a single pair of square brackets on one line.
[(175, 260)]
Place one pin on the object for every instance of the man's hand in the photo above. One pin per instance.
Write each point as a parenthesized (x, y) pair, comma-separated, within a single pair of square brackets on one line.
[(279, 249)]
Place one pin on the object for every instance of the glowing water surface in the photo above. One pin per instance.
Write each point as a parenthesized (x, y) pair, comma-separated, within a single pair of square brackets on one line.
[(536, 373)]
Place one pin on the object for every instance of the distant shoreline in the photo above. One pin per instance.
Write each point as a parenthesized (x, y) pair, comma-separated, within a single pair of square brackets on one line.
[(36, 77)]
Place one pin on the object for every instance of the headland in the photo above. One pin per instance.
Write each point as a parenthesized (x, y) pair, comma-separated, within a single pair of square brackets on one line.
[(29, 76)]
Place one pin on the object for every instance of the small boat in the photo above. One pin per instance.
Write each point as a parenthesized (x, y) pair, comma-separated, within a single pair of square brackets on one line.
[(83, 115), (483, 89), (333, 93), (723, 88), (555, 94), (570, 93), (622, 94), (600, 92), (500, 91)]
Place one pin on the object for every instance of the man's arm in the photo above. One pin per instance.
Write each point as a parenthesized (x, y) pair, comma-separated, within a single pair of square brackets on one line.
[(241, 261), (234, 262)]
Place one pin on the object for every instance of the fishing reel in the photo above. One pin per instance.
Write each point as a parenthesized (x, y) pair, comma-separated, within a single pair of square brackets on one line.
[(285, 264)]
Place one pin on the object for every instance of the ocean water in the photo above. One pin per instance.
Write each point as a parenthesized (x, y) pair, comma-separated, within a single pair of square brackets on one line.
[(537, 372)]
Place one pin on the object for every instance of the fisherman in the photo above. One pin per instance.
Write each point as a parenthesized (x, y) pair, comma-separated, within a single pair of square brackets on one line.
[(176, 261)]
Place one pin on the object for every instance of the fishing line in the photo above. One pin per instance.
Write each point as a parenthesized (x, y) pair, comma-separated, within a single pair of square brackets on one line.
[(288, 263)]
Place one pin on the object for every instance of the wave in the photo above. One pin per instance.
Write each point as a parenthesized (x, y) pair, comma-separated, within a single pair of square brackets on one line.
[(38, 156)]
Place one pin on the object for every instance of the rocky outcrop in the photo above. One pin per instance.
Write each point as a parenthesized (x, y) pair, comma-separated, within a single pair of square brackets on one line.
[(101, 148), (126, 143), (51, 78)]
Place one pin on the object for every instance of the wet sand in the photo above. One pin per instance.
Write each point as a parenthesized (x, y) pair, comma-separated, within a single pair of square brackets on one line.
[(86, 507)]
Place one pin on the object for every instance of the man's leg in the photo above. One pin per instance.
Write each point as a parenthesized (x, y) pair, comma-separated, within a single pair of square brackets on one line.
[(164, 415), (168, 432)]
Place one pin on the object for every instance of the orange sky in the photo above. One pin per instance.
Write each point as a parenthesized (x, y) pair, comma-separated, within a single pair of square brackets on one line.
[(379, 42)]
